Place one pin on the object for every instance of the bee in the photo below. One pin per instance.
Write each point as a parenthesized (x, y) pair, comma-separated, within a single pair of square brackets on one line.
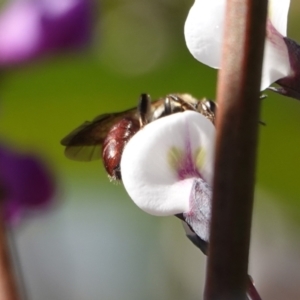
[(108, 134)]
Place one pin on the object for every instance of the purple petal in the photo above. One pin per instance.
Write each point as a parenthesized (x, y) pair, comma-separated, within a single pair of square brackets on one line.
[(199, 215), (290, 85), (68, 29), (26, 184), (31, 28)]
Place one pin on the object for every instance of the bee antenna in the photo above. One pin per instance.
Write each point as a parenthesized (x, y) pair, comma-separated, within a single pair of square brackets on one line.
[(143, 108)]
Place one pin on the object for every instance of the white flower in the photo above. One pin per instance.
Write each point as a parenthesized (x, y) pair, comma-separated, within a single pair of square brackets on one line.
[(204, 31), (167, 168)]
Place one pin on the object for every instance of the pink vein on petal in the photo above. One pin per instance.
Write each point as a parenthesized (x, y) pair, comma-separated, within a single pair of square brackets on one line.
[(187, 167), (274, 35)]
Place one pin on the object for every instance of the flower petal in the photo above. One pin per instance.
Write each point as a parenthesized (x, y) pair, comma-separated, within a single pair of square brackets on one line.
[(290, 85), (151, 167), (203, 31), (276, 63), (278, 13), (199, 214), (26, 182), (31, 28), (17, 19)]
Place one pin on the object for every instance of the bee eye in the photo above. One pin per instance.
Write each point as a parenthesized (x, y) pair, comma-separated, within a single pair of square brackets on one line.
[(212, 106), (205, 106), (209, 105)]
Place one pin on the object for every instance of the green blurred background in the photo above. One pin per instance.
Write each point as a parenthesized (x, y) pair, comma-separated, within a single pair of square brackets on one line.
[(96, 244)]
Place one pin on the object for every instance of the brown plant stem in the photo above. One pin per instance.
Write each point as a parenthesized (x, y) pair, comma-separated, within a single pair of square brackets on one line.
[(251, 290), (8, 286), (236, 142)]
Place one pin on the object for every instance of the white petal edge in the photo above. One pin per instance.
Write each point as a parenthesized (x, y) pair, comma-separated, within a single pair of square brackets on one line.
[(146, 174), (203, 34), (276, 63), (278, 14), (203, 31)]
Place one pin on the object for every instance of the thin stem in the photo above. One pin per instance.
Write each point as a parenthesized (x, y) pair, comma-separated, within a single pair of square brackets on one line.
[(251, 290), (237, 134), (8, 286)]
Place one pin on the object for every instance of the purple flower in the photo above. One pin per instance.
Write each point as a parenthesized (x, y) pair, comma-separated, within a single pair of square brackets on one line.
[(31, 28), (25, 184)]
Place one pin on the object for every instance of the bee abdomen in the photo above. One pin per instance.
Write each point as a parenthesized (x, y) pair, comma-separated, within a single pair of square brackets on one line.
[(114, 143)]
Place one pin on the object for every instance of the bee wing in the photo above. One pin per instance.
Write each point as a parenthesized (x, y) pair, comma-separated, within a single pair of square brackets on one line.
[(85, 142)]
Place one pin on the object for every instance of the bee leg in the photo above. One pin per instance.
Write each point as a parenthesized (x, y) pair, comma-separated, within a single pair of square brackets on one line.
[(263, 96), (144, 109), (262, 123)]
